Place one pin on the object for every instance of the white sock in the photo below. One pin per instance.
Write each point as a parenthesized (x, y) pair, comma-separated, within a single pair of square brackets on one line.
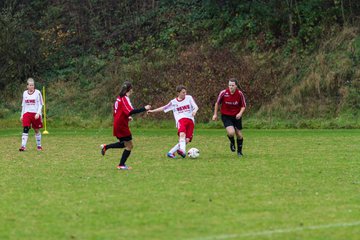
[(38, 139), (182, 144), (24, 139), (174, 149)]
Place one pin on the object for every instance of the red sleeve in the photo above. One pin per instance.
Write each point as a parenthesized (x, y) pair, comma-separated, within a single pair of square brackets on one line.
[(242, 100), (221, 94), (127, 105)]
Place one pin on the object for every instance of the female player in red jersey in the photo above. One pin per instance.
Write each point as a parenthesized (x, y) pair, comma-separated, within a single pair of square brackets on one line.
[(233, 105), (122, 115), (31, 114)]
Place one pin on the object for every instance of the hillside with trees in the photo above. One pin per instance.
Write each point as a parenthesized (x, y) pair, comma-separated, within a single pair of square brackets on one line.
[(297, 61)]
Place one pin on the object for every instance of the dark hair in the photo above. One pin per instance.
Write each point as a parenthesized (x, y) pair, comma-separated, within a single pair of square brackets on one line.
[(180, 88), (125, 88), (233, 80)]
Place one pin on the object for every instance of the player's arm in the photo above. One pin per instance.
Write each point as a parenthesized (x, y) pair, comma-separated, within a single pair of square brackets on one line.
[(239, 115), (22, 112), (165, 108), (216, 107), (160, 109), (22, 108), (140, 110), (195, 107), (40, 105), (243, 106)]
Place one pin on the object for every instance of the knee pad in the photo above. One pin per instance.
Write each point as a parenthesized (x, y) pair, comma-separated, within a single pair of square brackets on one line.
[(26, 129)]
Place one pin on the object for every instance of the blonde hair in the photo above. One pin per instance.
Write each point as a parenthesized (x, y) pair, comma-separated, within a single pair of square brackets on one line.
[(30, 80)]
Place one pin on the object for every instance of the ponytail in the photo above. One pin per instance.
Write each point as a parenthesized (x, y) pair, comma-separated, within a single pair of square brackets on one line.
[(125, 88)]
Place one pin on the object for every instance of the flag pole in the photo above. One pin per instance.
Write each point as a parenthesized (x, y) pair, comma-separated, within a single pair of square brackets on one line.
[(45, 131)]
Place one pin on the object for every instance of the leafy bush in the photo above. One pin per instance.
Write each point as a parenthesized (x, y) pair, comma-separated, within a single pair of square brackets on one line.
[(286, 54)]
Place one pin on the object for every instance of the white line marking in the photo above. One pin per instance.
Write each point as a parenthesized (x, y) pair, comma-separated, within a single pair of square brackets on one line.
[(277, 231)]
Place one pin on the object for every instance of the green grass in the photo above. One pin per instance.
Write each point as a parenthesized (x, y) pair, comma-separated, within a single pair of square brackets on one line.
[(291, 184)]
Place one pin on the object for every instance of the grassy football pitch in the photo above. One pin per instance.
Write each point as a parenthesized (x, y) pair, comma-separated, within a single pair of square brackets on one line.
[(291, 184)]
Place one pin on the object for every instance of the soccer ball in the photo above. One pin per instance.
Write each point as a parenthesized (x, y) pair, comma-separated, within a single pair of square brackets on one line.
[(193, 153)]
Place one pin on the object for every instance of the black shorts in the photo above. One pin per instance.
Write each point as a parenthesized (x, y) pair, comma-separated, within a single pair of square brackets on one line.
[(125, 139), (231, 121)]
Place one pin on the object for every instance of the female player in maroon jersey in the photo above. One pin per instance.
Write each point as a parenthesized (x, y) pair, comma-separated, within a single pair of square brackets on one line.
[(233, 105), (122, 115)]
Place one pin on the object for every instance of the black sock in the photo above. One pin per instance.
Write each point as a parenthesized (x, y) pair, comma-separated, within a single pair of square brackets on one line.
[(115, 145), (232, 140), (240, 143), (124, 157)]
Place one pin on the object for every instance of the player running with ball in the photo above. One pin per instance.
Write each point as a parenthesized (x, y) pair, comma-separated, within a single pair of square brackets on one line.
[(184, 109)]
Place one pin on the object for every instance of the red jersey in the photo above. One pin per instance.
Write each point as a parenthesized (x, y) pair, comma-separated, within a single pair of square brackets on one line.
[(122, 109), (231, 103)]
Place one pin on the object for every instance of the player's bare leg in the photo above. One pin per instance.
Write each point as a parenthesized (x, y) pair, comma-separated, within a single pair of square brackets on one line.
[(230, 130)]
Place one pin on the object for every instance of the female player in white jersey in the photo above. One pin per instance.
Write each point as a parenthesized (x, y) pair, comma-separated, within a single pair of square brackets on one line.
[(184, 109), (32, 103)]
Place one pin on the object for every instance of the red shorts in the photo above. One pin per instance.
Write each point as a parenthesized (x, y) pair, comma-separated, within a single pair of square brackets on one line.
[(186, 125), (30, 121)]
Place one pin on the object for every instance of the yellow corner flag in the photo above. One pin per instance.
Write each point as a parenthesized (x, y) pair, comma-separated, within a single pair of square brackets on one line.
[(45, 131)]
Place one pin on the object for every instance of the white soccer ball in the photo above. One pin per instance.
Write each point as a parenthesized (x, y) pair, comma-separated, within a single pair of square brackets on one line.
[(193, 153)]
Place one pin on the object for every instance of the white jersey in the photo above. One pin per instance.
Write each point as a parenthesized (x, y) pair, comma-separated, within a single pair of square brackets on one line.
[(32, 102), (182, 108)]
